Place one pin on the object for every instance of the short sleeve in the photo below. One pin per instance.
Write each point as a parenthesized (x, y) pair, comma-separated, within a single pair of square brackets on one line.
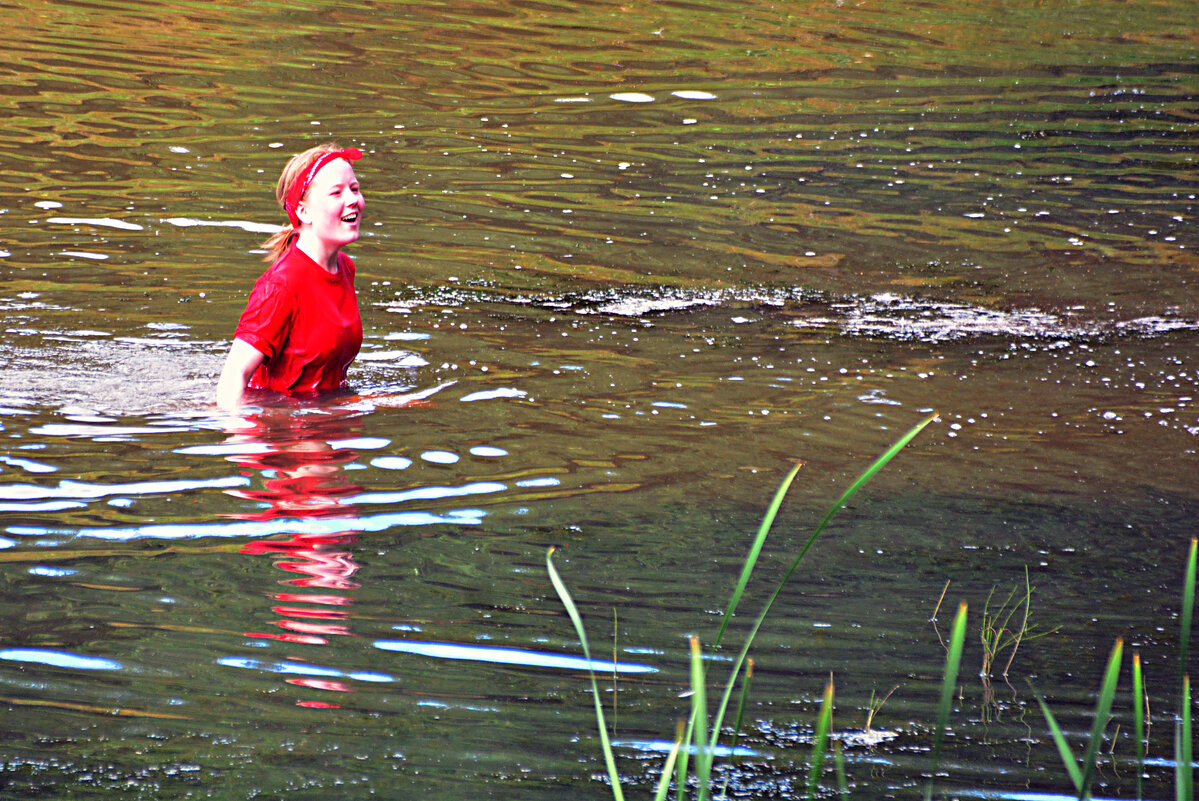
[(265, 322)]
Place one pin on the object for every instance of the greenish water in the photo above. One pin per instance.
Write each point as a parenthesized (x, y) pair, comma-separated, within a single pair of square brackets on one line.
[(662, 251)]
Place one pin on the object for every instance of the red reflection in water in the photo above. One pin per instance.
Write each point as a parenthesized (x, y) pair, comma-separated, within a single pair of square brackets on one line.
[(321, 684), (303, 477)]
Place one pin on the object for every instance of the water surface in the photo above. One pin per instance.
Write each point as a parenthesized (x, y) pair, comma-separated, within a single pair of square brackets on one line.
[(651, 255)]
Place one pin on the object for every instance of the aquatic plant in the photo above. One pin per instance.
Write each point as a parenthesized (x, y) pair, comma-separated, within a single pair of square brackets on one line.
[(953, 661), (1184, 771), (573, 612), (874, 705), (1139, 706), (997, 633), (1083, 774), (749, 674), (824, 725), (1188, 610)]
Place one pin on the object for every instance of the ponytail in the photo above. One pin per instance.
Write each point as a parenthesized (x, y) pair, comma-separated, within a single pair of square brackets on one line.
[(279, 242)]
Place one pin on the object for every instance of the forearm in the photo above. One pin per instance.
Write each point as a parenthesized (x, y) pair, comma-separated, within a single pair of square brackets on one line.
[(240, 364)]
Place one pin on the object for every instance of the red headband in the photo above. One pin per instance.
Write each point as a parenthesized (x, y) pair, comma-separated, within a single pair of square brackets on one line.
[(301, 186)]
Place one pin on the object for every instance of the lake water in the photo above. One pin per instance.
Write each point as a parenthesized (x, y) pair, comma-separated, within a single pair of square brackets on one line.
[(651, 255)]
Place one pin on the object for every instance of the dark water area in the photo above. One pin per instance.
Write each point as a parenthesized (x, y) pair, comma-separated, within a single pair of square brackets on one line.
[(643, 257)]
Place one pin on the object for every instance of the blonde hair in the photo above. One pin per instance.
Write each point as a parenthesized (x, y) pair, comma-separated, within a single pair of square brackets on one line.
[(279, 242)]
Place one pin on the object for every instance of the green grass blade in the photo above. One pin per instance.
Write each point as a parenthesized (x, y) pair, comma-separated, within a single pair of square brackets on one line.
[(755, 551), (1063, 746), (1138, 719), (664, 782), (615, 671), (699, 713), (839, 758), (1184, 770), (823, 726), (682, 766), (1188, 609), (953, 662), (1103, 708), (749, 675), (573, 612), (870, 472)]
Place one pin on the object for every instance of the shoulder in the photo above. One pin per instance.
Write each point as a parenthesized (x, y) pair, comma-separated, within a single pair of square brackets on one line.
[(275, 286), (282, 274)]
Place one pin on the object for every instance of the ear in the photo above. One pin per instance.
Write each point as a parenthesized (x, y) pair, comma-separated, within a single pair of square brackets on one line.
[(302, 213)]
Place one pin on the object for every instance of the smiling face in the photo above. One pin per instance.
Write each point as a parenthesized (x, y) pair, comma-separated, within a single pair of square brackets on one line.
[(331, 209)]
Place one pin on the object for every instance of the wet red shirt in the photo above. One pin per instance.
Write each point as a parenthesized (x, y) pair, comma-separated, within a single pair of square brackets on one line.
[(305, 321)]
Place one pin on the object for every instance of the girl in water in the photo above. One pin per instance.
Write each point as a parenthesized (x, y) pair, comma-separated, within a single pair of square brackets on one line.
[(301, 327)]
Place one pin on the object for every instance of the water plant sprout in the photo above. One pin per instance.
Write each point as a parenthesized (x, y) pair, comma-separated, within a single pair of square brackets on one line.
[(997, 632)]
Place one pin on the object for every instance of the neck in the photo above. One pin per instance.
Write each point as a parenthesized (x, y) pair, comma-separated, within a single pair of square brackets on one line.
[(321, 253)]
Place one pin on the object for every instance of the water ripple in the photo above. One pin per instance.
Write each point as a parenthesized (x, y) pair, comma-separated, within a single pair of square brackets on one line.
[(303, 669), (86, 490), (509, 656), (258, 528), (63, 659)]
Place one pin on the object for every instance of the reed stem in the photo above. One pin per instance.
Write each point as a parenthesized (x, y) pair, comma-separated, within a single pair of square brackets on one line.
[(953, 662), (823, 726), (573, 612), (1138, 719), (1184, 766)]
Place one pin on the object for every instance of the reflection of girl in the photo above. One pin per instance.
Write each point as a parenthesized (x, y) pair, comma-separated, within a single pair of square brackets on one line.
[(304, 480), (301, 328)]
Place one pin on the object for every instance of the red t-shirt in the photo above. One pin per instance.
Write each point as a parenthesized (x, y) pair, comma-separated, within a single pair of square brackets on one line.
[(305, 321)]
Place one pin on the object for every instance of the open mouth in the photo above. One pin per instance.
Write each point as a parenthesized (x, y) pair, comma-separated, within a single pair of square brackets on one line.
[(352, 217)]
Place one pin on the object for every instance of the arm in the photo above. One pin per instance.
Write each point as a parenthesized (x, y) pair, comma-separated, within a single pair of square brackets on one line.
[(240, 364)]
